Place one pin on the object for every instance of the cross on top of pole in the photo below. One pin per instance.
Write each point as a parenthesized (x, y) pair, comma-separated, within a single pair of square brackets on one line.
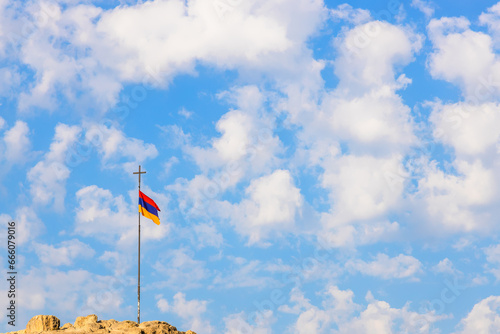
[(140, 172)]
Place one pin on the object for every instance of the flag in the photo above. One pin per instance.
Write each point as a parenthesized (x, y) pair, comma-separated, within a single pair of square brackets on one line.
[(148, 208)]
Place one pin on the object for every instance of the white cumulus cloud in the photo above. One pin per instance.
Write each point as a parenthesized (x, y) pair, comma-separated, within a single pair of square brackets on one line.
[(385, 267), (48, 177), (339, 314), (191, 311), (471, 129), (426, 7), (484, 318), (99, 50), (463, 195), (17, 143), (67, 252), (464, 57), (271, 207)]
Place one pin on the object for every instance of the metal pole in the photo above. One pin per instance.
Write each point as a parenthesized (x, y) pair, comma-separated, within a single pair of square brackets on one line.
[(139, 265), (139, 257)]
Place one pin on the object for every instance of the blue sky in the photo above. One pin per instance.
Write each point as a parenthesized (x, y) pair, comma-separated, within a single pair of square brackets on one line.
[(321, 167)]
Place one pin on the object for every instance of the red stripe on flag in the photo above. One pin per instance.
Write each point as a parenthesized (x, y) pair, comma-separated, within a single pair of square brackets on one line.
[(148, 200)]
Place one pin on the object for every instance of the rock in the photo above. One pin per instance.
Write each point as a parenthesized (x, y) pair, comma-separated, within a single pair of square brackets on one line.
[(49, 324), (41, 323), (157, 327), (67, 325), (22, 331), (83, 321), (107, 323), (123, 325), (87, 324)]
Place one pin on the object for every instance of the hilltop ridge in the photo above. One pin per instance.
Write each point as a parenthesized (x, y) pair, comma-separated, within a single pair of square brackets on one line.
[(49, 324)]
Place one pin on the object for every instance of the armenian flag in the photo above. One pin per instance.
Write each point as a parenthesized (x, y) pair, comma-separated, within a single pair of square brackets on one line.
[(148, 208)]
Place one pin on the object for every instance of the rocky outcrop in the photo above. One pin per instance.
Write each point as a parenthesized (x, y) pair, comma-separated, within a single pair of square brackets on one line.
[(49, 324), (42, 323), (88, 324)]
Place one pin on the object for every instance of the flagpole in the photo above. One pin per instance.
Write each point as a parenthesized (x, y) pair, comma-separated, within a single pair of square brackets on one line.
[(139, 263), (139, 257)]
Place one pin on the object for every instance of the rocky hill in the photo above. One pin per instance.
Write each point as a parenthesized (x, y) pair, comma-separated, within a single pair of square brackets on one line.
[(49, 324)]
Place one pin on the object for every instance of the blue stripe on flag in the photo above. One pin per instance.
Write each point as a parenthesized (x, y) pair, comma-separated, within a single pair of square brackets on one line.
[(148, 207)]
